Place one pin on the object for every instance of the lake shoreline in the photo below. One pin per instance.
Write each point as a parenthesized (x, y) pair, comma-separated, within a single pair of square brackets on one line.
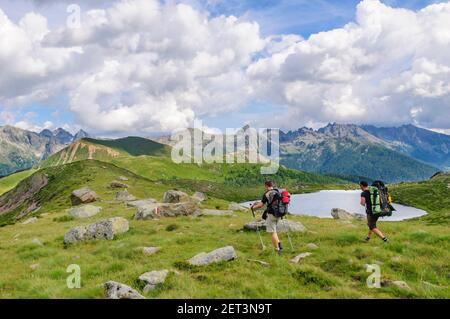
[(319, 204)]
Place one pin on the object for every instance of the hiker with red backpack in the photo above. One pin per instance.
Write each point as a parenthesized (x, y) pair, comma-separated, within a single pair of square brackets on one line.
[(276, 202)]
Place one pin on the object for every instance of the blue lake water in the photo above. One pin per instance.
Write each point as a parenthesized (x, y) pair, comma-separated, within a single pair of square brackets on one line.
[(319, 204)]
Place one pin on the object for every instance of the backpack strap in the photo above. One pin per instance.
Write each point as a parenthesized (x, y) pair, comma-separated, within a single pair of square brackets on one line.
[(274, 197)]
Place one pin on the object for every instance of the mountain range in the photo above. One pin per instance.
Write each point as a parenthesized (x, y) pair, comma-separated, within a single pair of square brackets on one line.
[(345, 151), (21, 149), (405, 153)]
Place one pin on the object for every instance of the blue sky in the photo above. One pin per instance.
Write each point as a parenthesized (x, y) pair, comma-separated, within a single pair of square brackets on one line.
[(303, 17), (300, 17)]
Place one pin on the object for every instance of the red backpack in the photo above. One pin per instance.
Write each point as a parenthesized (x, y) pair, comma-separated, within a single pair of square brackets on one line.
[(280, 203)]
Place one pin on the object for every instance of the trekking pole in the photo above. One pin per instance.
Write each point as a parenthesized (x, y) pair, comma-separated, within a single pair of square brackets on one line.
[(289, 236), (257, 228)]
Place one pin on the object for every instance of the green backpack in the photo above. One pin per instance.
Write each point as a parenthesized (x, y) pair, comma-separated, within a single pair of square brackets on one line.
[(380, 199)]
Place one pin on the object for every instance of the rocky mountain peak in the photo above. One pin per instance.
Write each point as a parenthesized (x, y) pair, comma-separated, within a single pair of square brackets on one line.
[(80, 135)]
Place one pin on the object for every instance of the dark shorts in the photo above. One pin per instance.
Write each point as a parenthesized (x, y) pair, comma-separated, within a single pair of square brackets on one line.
[(372, 221)]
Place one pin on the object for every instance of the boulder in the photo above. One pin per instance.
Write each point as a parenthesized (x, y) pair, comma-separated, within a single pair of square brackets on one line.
[(84, 211), (153, 278), (222, 254), (236, 206), (125, 196), (297, 258), (282, 227), (150, 250), (214, 212), (30, 221), (117, 184), (174, 196), (105, 229), (157, 210), (83, 196), (116, 290), (339, 213), (142, 202), (199, 196)]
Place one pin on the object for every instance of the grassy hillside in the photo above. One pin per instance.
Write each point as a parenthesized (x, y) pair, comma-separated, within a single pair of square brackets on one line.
[(418, 255), (34, 259), (432, 195), (106, 150), (9, 182), (152, 160), (64, 179)]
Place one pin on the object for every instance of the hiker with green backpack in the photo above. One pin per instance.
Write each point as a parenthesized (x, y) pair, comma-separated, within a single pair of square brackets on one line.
[(378, 204), (276, 202)]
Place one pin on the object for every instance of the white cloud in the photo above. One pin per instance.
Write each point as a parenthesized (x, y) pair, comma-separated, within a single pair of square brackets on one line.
[(158, 66), (389, 67), (141, 66), (25, 125)]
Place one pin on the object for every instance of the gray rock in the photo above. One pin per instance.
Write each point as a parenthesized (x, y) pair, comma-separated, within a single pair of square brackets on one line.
[(297, 258), (117, 184), (222, 254), (401, 284), (199, 196), (157, 210), (142, 202), (150, 250), (83, 196), (236, 206), (30, 221), (116, 290), (282, 227), (84, 211), (105, 229), (312, 246), (153, 278), (173, 196), (339, 213), (122, 178), (125, 196)]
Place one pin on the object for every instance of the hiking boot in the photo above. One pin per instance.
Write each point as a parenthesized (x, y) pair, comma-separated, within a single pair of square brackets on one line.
[(366, 240), (385, 240), (279, 246)]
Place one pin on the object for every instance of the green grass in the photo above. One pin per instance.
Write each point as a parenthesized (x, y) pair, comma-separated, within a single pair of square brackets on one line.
[(432, 195), (418, 255), (9, 182)]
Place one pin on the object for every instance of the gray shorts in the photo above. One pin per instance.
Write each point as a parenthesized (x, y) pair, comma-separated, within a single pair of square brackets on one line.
[(271, 223)]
